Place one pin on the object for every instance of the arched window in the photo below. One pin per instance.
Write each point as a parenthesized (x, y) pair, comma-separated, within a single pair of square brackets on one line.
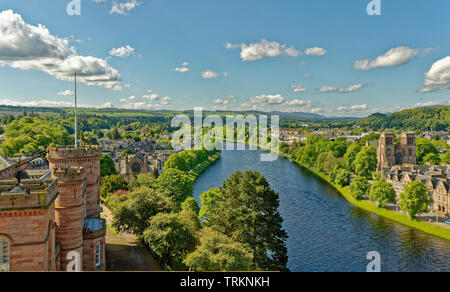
[(98, 255), (4, 255), (136, 168)]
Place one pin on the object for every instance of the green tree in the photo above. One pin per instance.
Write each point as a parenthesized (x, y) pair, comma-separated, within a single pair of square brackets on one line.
[(340, 176), (217, 253), (350, 155), (366, 162), (142, 204), (339, 148), (383, 193), (112, 183), (169, 238), (423, 148), (175, 184), (416, 199), (284, 147), (309, 155), (446, 158), (107, 166), (432, 158), (209, 202), (247, 211), (360, 187), (143, 180), (31, 134), (190, 204)]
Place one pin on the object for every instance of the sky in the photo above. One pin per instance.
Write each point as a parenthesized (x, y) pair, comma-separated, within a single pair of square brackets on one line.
[(326, 57)]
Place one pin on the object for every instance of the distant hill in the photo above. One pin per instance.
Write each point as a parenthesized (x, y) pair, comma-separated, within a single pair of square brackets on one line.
[(426, 118), (299, 115)]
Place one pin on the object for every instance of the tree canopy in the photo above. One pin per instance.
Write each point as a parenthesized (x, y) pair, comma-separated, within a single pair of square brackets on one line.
[(416, 199)]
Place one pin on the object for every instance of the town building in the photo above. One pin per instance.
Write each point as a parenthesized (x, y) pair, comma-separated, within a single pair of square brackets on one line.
[(49, 218), (398, 165)]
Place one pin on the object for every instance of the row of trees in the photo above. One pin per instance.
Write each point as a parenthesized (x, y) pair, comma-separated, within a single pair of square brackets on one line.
[(339, 158), (187, 160), (342, 160)]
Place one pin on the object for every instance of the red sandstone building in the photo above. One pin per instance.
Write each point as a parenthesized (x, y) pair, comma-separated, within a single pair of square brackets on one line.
[(49, 219)]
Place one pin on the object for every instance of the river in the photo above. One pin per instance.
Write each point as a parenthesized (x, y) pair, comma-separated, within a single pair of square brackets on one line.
[(326, 233)]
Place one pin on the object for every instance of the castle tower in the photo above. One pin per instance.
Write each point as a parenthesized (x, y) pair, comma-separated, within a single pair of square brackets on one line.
[(27, 224), (89, 159), (78, 206), (69, 213)]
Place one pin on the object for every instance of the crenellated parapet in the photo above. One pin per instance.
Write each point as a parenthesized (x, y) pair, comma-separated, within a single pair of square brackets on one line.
[(68, 152), (28, 194), (69, 174)]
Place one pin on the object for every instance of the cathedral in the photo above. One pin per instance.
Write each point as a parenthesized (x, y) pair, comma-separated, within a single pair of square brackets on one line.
[(391, 153)]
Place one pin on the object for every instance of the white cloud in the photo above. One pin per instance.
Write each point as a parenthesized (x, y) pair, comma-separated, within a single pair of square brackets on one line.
[(438, 77), (263, 49), (218, 101), (426, 104), (315, 51), (209, 75), (225, 100), (27, 47), (123, 8), (152, 96), (165, 100), (394, 57), (107, 105), (298, 88), (326, 88), (183, 69), (66, 93), (36, 103), (299, 103), (292, 52), (122, 52), (351, 88), (267, 99)]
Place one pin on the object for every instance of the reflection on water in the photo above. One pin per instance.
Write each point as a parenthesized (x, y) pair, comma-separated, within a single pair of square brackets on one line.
[(326, 233)]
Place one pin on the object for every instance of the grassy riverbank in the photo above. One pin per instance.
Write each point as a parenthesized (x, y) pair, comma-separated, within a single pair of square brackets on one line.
[(201, 168), (368, 206)]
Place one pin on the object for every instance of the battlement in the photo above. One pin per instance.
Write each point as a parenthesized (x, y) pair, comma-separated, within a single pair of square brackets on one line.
[(69, 174), (28, 194), (69, 152)]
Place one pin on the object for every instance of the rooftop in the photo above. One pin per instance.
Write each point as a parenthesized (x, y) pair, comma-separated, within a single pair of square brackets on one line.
[(34, 190)]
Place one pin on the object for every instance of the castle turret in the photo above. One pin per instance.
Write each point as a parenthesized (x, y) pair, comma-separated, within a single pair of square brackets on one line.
[(89, 159), (79, 227), (69, 212)]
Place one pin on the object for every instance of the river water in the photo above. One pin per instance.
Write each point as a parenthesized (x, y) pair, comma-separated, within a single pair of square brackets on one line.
[(326, 233)]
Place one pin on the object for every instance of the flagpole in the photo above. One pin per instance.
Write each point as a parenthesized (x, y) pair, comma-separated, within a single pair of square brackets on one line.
[(75, 112)]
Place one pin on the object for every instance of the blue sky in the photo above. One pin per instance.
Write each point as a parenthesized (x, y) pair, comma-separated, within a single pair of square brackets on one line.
[(248, 54)]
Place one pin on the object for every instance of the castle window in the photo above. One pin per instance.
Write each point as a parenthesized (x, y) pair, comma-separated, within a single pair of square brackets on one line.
[(4, 255), (98, 254)]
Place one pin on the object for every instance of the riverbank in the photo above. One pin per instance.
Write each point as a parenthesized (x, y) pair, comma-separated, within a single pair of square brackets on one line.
[(426, 227), (194, 174)]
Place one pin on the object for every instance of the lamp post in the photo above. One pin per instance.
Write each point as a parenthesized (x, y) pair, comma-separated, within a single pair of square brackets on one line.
[(75, 114)]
